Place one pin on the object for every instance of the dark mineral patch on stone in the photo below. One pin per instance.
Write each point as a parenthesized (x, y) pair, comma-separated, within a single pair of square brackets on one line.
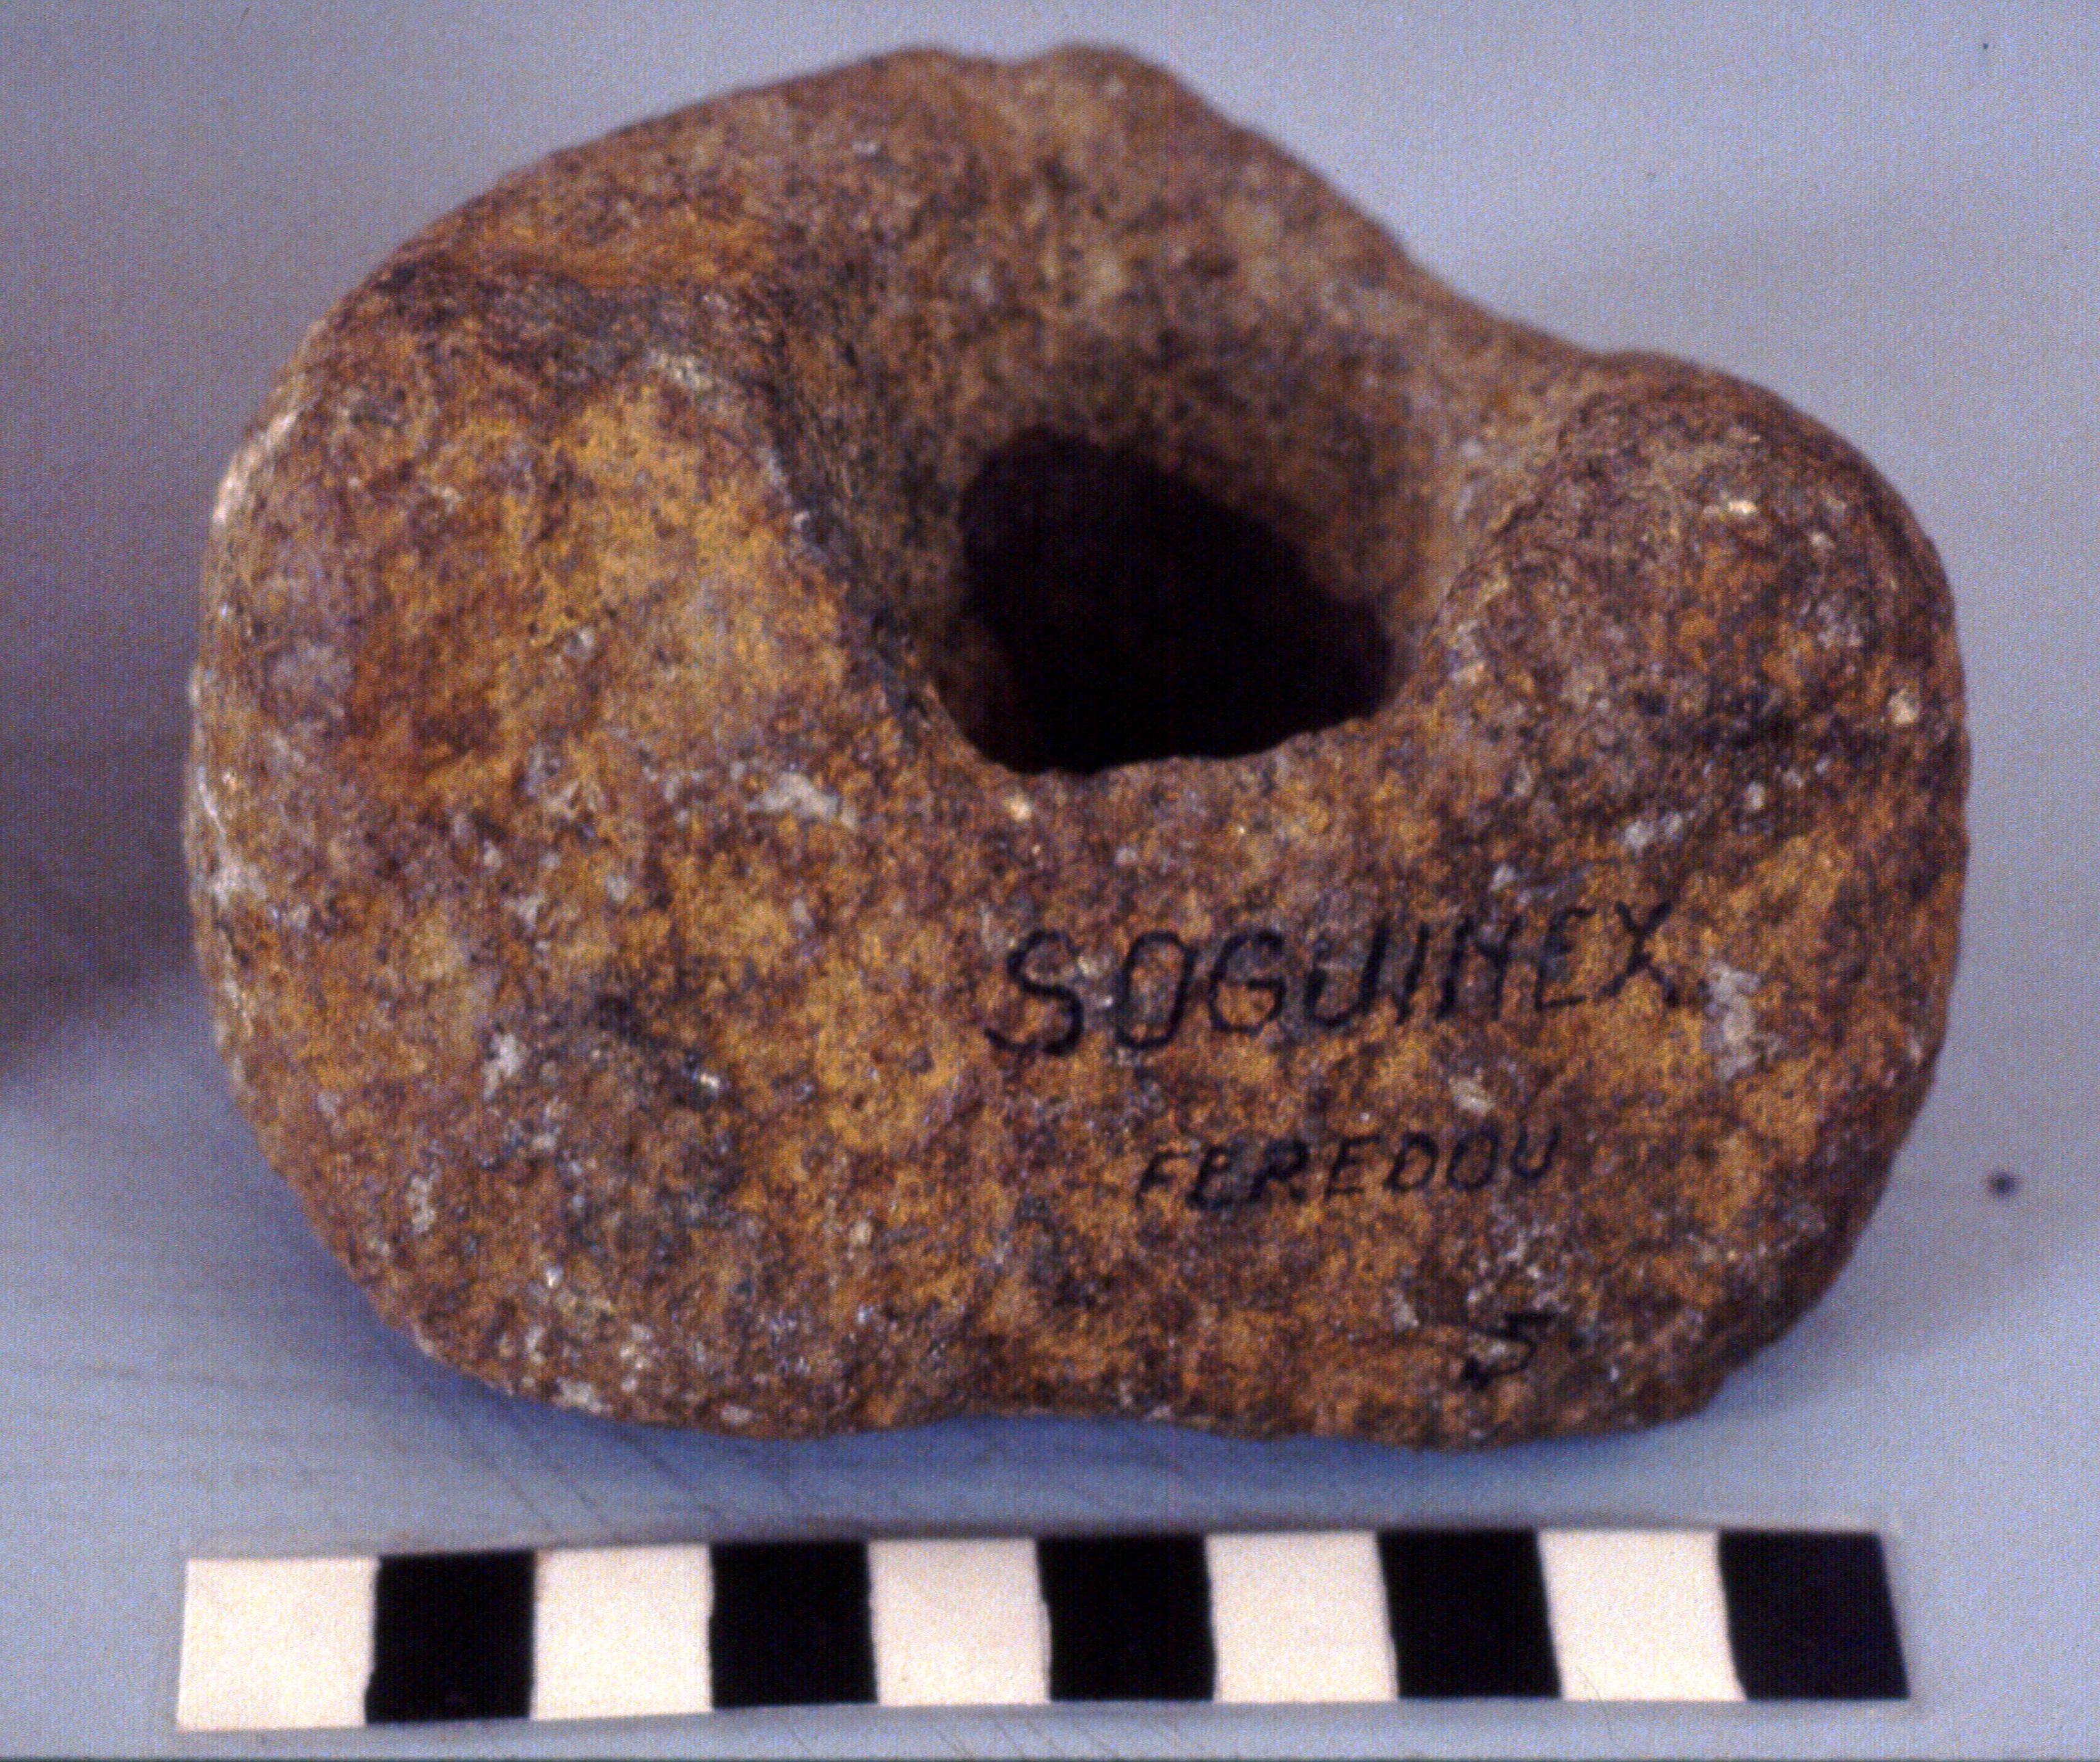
[(937, 740)]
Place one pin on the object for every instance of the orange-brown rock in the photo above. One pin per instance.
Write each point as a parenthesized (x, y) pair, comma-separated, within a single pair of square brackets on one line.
[(938, 741)]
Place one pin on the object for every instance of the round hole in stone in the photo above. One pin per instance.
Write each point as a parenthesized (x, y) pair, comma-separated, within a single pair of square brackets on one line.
[(1111, 612)]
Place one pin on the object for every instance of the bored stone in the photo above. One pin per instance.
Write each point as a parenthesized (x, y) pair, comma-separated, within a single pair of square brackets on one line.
[(938, 741)]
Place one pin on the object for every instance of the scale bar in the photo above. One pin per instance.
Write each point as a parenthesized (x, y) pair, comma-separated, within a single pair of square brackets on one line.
[(1269, 1618)]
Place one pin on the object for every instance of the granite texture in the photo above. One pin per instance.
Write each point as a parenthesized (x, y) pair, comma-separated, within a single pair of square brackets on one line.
[(938, 741)]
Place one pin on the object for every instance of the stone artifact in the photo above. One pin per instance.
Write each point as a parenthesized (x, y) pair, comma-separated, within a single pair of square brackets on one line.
[(938, 741)]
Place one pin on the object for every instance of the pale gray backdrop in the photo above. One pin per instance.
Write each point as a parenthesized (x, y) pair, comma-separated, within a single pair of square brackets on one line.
[(1892, 217)]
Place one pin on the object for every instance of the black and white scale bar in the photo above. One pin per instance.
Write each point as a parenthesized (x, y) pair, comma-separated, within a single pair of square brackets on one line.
[(1271, 1618)]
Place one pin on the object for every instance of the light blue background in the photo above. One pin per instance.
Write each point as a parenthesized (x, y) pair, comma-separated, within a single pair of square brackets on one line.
[(1888, 216)]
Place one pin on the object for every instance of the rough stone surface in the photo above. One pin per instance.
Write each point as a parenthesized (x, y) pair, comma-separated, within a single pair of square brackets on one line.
[(938, 741)]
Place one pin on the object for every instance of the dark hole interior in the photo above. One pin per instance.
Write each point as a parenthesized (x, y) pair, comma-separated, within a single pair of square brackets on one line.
[(1117, 613)]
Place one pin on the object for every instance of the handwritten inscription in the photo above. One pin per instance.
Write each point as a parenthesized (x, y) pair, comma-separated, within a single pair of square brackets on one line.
[(1475, 966), (1505, 1347), (1235, 1173)]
